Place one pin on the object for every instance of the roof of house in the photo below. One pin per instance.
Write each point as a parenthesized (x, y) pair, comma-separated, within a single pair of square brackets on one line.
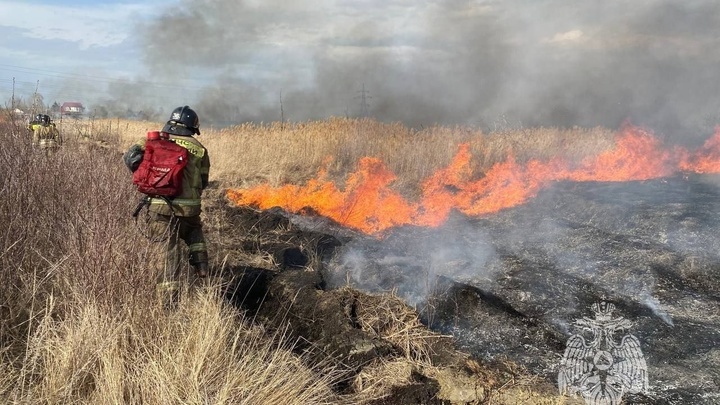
[(72, 104)]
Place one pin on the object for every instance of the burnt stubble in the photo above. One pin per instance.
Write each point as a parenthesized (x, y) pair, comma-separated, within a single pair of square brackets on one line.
[(512, 285)]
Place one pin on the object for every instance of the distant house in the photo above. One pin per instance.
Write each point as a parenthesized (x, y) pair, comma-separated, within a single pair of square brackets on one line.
[(72, 108)]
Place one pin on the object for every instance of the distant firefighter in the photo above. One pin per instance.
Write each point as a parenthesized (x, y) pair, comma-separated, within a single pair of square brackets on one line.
[(35, 122), (45, 134)]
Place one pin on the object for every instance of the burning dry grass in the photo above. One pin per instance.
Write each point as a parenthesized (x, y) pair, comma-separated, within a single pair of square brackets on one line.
[(471, 173), (251, 154), (78, 317), (248, 155)]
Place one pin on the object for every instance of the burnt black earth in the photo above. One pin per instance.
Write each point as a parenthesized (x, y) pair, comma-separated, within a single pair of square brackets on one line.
[(518, 284)]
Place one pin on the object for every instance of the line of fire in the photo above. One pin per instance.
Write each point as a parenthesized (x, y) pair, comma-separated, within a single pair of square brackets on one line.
[(368, 204)]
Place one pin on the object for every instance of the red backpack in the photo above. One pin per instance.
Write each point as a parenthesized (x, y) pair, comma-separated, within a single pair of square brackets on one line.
[(161, 171)]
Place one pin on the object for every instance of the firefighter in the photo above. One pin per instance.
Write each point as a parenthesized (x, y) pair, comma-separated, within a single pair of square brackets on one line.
[(178, 218), (45, 134), (35, 122)]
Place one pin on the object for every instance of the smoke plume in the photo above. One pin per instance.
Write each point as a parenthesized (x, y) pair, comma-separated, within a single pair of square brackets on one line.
[(484, 63)]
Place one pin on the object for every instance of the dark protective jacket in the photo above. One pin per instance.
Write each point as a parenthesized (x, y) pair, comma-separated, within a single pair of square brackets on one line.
[(195, 180)]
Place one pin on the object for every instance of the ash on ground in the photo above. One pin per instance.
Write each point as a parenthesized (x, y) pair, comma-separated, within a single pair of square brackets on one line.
[(514, 284)]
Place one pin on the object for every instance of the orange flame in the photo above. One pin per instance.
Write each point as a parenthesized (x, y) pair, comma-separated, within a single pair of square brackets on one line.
[(637, 156), (706, 159), (367, 203)]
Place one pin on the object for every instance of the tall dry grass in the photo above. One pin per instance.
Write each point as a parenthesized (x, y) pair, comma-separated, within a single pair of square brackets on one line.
[(275, 153), (204, 352), (79, 320), (293, 153)]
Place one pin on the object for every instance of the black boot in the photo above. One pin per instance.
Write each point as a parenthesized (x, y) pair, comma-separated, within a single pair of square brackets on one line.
[(201, 269), (199, 260)]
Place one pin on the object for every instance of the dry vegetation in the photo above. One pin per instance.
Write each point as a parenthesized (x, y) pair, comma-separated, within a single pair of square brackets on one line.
[(78, 318), (249, 154)]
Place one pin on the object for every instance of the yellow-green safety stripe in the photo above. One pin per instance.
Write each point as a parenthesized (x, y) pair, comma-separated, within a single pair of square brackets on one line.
[(178, 201), (190, 146), (197, 247), (167, 286)]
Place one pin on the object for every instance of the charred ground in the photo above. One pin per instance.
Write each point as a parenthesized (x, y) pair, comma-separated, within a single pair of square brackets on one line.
[(386, 354), (506, 287)]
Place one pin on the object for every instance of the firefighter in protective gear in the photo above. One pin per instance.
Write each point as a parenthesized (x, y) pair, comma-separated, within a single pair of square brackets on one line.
[(45, 134), (35, 121), (178, 218)]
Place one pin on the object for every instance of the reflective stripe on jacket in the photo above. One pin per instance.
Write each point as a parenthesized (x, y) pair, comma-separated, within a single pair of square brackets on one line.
[(46, 134)]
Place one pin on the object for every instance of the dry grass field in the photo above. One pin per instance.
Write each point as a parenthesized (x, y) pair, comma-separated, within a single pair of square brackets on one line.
[(249, 154), (79, 322)]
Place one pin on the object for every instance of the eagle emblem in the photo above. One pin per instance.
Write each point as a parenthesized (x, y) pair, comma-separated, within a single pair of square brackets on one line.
[(604, 368)]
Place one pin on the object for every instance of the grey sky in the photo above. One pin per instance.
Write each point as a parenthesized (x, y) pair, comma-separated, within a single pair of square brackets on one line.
[(484, 63)]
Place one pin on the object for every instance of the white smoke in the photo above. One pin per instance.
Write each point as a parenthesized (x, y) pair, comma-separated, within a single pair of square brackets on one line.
[(453, 62), (412, 265)]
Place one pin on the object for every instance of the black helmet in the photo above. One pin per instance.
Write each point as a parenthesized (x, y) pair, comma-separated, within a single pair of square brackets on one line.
[(183, 121), (45, 119), (38, 118)]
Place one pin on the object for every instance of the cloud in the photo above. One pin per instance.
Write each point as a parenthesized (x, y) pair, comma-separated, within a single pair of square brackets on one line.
[(473, 62), (568, 37), (88, 26)]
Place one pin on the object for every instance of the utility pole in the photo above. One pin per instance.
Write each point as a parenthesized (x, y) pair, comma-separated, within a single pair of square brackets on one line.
[(364, 96), (12, 100), (282, 113), (37, 85)]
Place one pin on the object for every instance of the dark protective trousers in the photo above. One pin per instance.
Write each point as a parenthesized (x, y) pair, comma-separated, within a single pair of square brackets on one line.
[(170, 230)]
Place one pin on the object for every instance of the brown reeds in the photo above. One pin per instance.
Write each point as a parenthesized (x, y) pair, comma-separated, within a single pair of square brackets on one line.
[(248, 154), (79, 321)]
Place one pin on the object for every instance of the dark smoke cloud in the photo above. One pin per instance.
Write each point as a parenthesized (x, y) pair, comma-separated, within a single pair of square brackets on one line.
[(529, 63)]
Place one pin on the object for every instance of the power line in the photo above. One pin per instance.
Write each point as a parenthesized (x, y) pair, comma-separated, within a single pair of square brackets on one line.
[(83, 77), (52, 73), (86, 90)]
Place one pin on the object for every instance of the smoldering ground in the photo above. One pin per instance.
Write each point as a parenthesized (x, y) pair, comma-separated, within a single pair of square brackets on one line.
[(514, 283), (485, 63)]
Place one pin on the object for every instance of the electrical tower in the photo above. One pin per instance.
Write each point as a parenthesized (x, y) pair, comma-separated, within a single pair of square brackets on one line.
[(364, 96)]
